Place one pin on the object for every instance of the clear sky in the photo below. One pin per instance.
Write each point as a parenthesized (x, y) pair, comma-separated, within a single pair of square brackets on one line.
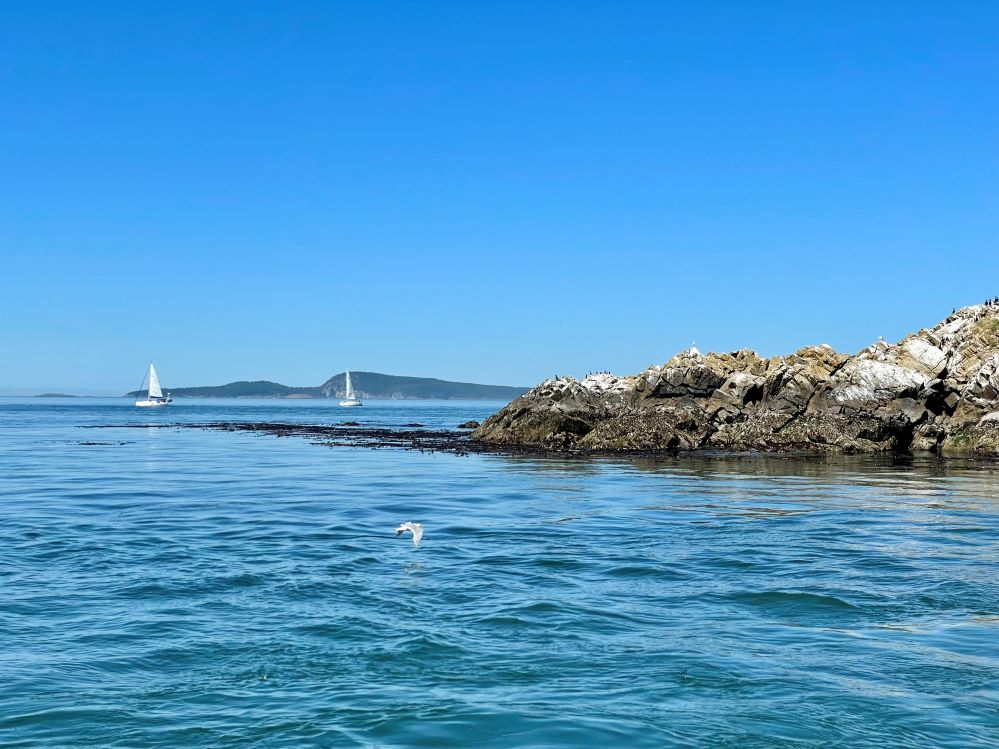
[(491, 192)]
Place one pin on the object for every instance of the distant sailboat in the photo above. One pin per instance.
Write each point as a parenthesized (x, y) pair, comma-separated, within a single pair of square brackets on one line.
[(154, 394), (350, 399)]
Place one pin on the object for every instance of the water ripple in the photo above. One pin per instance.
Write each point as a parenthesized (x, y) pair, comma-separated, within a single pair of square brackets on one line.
[(184, 588)]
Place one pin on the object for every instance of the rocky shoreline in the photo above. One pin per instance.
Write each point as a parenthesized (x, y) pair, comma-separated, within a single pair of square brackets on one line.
[(936, 390)]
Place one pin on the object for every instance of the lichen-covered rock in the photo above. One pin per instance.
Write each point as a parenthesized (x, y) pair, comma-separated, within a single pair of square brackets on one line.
[(549, 427), (937, 389), (680, 426), (556, 413), (981, 438), (827, 432)]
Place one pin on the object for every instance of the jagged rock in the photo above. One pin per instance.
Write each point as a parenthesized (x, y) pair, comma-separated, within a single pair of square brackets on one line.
[(920, 355), (937, 389), (792, 381), (687, 374), (982, 388), (740, 389), (927, 437), (469, 425), (690, 374)]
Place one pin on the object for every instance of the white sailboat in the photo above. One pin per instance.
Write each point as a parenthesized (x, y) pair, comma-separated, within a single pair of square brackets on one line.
[(350, 399), (154, 393)]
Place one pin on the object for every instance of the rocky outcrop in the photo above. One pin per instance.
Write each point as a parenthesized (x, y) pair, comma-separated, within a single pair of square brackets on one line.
[(936, 390)]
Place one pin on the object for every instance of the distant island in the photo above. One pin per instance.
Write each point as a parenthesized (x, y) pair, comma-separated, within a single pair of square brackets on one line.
[(55, 395), (366, 384)]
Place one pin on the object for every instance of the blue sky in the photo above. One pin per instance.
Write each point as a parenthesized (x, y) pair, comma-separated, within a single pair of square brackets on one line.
[(485, 192)]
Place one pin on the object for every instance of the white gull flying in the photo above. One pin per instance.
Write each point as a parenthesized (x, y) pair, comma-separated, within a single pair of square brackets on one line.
[(415, 528)]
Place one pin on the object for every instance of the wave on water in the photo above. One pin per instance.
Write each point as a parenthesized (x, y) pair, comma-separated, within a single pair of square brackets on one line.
[(220, 589)]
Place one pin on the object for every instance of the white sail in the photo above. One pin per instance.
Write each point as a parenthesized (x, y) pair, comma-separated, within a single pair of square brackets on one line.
[(155, 391), (349, 398)]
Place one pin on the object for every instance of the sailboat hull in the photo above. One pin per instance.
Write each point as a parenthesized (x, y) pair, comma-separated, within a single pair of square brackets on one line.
[(351, 403), (153, 404)]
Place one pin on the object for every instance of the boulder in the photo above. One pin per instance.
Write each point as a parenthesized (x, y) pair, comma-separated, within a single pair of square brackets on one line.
[(864, 384)]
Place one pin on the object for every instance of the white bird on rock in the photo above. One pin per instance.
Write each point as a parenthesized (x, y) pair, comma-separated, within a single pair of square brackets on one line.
[(415, 528)]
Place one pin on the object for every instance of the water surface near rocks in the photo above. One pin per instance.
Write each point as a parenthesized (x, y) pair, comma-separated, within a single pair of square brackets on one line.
[(167, 588)]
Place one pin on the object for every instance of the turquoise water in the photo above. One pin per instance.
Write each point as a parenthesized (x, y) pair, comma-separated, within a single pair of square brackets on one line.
[(184, 588)]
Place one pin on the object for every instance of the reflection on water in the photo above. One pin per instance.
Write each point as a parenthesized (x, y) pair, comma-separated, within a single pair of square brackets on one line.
[(189, 588)]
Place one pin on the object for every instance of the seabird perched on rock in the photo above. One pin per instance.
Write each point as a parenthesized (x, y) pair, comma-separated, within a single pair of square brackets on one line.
[(415, 528)]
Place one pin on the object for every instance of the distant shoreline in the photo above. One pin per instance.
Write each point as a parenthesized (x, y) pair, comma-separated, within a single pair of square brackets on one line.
[(367, 386), (310, 398), (254, 397)]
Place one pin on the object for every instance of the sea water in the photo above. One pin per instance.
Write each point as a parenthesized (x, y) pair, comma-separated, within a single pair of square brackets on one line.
[(166, 587)]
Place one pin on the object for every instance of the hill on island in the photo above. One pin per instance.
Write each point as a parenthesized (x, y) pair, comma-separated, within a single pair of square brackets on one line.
[(366, 384), (240, 389)]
